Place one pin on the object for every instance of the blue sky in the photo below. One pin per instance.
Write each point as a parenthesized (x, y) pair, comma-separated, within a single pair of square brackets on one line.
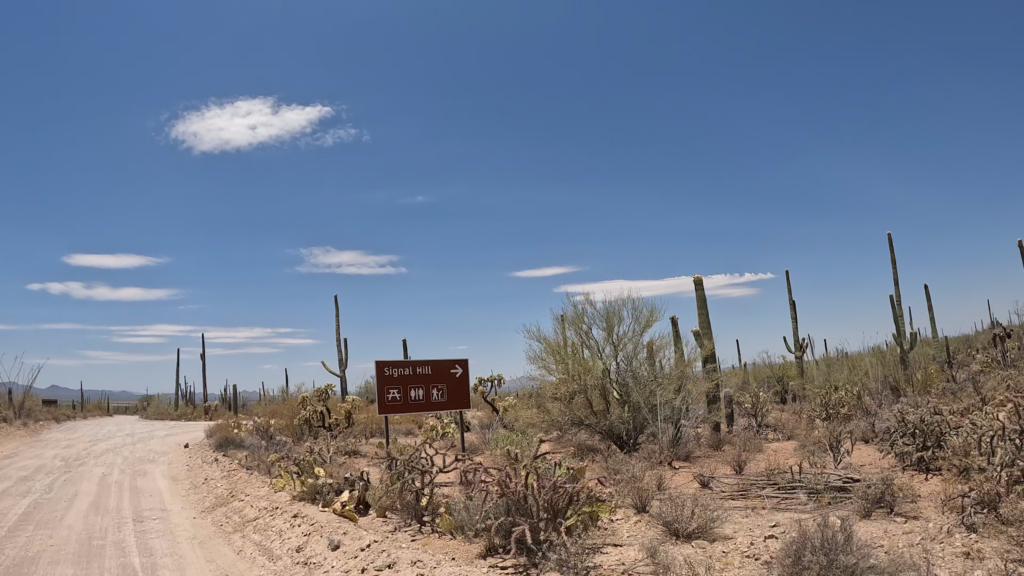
[(444, 146)]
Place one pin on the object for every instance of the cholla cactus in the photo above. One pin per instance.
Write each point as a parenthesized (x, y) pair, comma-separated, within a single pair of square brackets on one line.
[(314, 412), (487, 387)]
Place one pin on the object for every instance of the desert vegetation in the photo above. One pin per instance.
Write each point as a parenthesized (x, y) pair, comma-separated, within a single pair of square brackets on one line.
[(20, 405), (637, 451)]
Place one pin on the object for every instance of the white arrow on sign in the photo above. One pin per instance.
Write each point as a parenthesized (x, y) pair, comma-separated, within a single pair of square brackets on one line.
[(457, 371)]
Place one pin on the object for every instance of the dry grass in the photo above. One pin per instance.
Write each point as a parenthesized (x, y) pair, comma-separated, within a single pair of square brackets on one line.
[(829, 546), (689, 517)]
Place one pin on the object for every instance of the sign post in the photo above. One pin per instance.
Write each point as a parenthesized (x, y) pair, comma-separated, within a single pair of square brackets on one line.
[(422, 386)]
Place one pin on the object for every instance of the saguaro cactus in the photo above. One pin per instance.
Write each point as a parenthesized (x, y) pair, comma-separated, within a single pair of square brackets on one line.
[(81, 396), (705, 339), (904, 341), (799, 347), (202, 356), (931, 320), (342, 353), (234, 399), (730, 411), (1020, 246), (177, 380), (677, 342), (287, 392)]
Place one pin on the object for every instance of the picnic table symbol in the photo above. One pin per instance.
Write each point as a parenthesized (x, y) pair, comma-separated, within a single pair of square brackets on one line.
[(438, 393), (393, 394)]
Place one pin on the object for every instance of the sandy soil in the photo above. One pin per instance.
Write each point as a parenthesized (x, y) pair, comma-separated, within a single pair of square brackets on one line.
[(98, 497), (292, 537)]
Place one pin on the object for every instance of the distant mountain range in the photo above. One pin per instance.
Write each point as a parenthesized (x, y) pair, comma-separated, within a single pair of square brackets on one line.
[(55, 392)]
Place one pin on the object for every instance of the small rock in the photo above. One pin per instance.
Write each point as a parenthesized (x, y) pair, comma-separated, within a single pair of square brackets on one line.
[(773, 524), (186, 445), (384, 566), (700, 544), (770, 536), (333, 544), (900, 520)]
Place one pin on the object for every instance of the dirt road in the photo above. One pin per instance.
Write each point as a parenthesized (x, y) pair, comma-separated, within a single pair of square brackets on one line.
[(98, 497)]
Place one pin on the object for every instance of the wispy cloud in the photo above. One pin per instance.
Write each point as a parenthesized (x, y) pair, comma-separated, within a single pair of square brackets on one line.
[(723, 285), (115, 357), (459, 347), (548, 271), (157, 333), (103, 292), (327, 259), (112, 261), (138, 339), (251, 350), (414, 200), (245, 123)]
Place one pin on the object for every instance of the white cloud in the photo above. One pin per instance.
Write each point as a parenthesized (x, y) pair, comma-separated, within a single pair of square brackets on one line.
[(108, 357), (251, 350), (103, 292), (724, 285), (269, 367), (414, 200), (327, 259), (157, 333), (112, 261), (244, 123), (459, 347), (543, 272)]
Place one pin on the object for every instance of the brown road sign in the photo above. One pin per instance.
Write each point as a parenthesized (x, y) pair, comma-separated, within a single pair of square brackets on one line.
[(417, 386)]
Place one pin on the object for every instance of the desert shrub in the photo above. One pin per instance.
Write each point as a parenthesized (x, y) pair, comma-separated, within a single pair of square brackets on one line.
[(367, 391), (885, 491), (466, 515), (743, 449), (636, 481), (1011, 515), (704, 474), (832, 409), (689, 517), (660, 560), (714, 441), (538, 504), (829, 546), (224, 438), (757, 405), (505, 439), (608, 371), (570, 557)]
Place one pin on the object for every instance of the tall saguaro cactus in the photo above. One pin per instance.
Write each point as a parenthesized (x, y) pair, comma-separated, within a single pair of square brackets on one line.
[(342, 353), (1020, 246), (799, 347), (287, 392), (202, 356), (177, 380), (234, 399), (81, 396), (931, 320), (705, 339), (740, 362), (904, 341), (677, 343)]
